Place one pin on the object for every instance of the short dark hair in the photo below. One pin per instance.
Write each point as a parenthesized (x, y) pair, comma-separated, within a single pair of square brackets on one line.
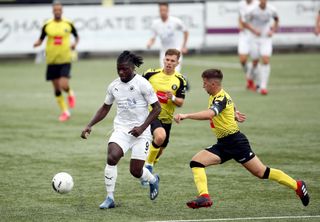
[(54, 3), (173, 52), (129, 57), (163, 4), (212, 74)]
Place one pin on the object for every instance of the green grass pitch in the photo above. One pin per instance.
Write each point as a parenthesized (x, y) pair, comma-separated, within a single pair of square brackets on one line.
[(283, 128)]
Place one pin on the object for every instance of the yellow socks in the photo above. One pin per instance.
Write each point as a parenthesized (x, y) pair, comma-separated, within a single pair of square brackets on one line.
[(282, 178), (153, 152), (70, 92), (62, 104), (200, 179)]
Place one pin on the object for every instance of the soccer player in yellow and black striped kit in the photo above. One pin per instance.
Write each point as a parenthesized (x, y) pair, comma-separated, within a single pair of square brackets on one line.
[(59, 56), (232, 144), (170, 87)]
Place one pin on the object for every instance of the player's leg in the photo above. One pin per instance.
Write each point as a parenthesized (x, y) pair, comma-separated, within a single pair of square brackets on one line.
[(265, 51), (115, 153), (53, 74), (179, 67), (139, 153), (243, 52), (258, 169), (64, 82), (159, 136), (65, 114), (161, 56), (118, 145), (198, 163), (255, 56)]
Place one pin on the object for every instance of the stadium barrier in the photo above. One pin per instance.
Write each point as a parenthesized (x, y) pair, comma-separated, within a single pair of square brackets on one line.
[(107, 29)]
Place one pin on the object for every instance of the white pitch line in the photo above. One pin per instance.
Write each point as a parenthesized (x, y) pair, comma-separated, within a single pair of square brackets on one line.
[(243, 218)]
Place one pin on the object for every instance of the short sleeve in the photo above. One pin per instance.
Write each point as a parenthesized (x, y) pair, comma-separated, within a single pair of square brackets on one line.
[(148, 93), (43, 32), (181, 92), (180, 25), (218, 105), (109, 97)]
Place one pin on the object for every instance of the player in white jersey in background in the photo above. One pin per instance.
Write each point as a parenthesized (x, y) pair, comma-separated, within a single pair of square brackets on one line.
[(166, 28), (132, 94), (317, 26), (259, 21), (244, 43)]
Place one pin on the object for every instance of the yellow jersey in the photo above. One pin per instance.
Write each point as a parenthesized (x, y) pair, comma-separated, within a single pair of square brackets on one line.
[(223, 123), (162, 83), (58, 50)]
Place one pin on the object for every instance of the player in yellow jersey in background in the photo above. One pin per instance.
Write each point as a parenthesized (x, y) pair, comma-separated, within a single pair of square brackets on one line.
[(232, 144), (58, 57), (170, 87)]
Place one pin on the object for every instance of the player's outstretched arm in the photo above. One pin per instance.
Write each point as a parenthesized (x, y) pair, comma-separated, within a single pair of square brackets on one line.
[(202, 115), (100, 115), (156, 109)]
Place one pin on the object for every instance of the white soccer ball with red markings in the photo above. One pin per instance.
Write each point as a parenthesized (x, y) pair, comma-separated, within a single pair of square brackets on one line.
[(62, 183)]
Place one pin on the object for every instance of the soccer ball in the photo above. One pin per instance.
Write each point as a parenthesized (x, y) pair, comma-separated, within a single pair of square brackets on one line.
[(62, 183)]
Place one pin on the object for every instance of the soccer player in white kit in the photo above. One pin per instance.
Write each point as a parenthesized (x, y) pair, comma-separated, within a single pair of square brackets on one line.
[(259, 21), (166, 28), (132, 94), (317, 26), (244, 43)]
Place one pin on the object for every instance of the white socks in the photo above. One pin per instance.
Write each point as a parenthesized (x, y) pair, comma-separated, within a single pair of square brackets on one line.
[(110, 177), (264, 75), (147, 176)]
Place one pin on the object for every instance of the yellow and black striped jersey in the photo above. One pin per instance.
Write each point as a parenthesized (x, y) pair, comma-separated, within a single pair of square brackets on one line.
[(162, 83), (223, 123), (58, 49)]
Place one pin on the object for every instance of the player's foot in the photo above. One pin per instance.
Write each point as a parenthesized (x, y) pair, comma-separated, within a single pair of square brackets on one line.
[(107, 203), (145, 183), (264, 92), (154, 188), (201, 201), (302, 192), (72, 101), (251, 85), (64, 116)]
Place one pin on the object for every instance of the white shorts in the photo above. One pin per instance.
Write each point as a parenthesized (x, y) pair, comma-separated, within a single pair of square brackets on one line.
[(244, 44), (138, 145), (261, 47)]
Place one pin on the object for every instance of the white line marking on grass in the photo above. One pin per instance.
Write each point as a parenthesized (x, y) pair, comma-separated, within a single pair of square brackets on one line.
[(201, 63), (244, 218)]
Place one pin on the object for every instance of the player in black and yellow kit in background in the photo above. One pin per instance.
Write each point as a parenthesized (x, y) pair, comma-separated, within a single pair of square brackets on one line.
[(232, 144), (170, 87), (59, 56)]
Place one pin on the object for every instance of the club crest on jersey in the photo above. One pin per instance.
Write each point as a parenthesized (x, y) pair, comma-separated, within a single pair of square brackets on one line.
[(174, 87)]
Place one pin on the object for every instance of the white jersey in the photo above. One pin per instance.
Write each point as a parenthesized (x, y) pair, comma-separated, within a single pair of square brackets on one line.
[(132, 99), (167, 32), (261, 19), (244, 7)]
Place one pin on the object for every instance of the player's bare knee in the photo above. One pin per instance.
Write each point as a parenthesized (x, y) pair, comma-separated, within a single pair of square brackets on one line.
[(261, 173), (112, 159), (136, 172)]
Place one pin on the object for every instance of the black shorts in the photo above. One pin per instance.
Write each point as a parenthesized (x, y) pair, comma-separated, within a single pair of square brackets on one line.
[(235, 146), (167, 127), (57, 71)]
